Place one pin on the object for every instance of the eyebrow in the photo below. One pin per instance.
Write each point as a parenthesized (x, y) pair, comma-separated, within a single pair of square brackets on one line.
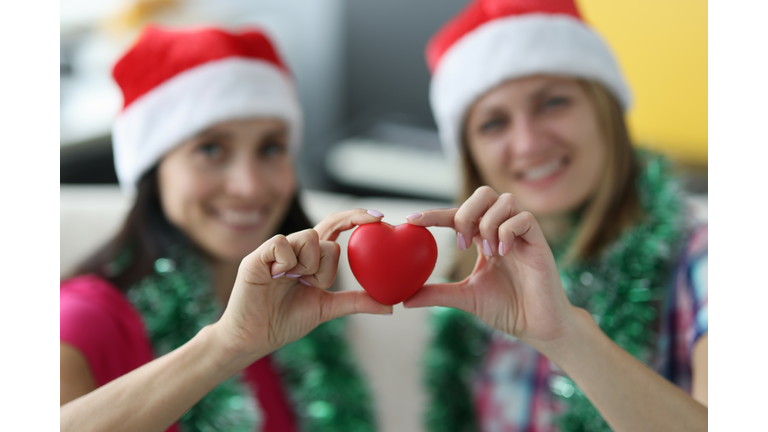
[(277, 132), (538, 94), (208, 133)]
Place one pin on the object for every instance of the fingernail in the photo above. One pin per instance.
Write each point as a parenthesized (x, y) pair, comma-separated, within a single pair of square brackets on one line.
[(374, 213), (305, 282), (388, 314), (501, 248), (278, 275), (460, 240), (414, 216), (487, 248), (291, 275)]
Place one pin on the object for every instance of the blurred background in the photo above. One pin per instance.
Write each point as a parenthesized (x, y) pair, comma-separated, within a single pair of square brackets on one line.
[(364, 84)]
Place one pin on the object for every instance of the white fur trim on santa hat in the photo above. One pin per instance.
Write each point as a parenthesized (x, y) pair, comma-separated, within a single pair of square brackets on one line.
[(515, 47), (192, 101)]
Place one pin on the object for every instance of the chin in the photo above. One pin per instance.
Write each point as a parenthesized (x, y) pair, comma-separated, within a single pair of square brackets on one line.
[(232, 252), (542, 206), (234, 255)]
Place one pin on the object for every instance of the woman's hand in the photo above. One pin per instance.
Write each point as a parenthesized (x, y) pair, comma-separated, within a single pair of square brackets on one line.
[(515, 286), (280, 291)]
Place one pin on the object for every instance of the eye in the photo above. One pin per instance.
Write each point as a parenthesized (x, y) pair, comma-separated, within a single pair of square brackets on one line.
[(492, 125), (272, 149), (210, 150), (554, 102)]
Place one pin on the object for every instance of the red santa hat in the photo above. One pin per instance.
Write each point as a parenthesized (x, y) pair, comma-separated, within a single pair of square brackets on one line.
[(492, 41), (178, 83)]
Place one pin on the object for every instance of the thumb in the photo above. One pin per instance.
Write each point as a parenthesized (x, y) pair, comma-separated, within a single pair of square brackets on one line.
[(455, 295), (339, 304)]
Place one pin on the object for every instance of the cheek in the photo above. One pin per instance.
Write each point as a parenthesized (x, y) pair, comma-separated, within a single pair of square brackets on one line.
[(591, 159), (282, 179), (183, 192), (491, 160)]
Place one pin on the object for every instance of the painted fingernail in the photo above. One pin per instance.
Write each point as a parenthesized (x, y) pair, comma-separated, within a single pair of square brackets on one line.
[(278, 275), (487, 248), (501, 248), (414, 216), (374, 213), (291, 275), (460, 240), (305, 282)]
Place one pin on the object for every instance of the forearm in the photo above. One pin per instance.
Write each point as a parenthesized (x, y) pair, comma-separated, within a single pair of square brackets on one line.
[(154, 396), (628, 394)]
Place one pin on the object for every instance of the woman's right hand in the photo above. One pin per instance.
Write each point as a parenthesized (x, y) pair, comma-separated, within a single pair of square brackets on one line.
[(280, 293)]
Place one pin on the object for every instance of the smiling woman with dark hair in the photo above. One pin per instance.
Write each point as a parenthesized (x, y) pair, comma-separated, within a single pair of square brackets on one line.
[(216, 267)]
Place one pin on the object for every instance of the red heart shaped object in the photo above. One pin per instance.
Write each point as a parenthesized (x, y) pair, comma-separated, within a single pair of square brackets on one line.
[(391, 262)]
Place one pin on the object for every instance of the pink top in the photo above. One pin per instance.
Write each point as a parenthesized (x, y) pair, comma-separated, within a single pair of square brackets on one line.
[(102, 324)]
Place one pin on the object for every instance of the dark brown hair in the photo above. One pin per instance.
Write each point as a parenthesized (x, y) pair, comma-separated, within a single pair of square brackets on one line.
[(614, 205), (147, 235)]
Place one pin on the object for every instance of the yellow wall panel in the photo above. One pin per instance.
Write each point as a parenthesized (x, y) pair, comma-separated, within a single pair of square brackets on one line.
[(662, 48)]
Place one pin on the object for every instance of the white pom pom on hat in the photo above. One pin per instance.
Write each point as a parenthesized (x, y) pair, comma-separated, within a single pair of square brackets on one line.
[(177, 83), (492, 41)]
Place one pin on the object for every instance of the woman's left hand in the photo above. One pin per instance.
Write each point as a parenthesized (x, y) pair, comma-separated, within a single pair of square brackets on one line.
[(515, 286)]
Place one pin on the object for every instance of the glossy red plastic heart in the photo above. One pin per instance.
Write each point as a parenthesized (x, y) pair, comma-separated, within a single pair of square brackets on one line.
[(392, 262)]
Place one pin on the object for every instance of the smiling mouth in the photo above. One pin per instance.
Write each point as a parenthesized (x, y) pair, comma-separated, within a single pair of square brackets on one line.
[(543, 171), (242, 220)]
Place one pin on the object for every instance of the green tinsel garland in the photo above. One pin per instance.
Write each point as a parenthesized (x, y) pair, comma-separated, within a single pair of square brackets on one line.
[(322, 382), (622, 290)]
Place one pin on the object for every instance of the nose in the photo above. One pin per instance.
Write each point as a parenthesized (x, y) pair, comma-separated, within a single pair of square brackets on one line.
[(523, 136), (244, 179)]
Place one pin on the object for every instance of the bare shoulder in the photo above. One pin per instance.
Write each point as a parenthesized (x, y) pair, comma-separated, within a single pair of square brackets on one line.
[(76, 376)]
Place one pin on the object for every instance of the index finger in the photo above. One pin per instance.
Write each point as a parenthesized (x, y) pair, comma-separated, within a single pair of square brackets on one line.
[(437, 217), (336, 223)]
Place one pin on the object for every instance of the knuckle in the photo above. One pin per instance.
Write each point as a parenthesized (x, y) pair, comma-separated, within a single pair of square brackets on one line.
[(507, 198), (324, 283), (312, 235), (312, 267), (505, 230), (527, 217), (487, 230), (485, 191), (460, 220), (335, 249)]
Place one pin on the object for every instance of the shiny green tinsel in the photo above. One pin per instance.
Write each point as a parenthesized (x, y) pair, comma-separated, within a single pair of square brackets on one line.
[(622, 290), (326, 389), (450, 362), (175, 303), (318, 371)]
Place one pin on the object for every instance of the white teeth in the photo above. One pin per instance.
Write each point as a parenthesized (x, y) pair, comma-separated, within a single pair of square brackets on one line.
[(542, 171), (232, 217)]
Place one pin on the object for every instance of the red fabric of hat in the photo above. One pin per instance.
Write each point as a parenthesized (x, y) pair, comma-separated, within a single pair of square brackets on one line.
[(162, 54)]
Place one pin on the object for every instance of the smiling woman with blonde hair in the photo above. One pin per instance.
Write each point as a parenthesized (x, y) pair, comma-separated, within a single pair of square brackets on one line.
[(589, 272)]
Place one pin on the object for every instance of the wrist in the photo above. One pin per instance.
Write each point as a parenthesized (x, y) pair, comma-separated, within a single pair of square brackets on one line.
[(226, 356), (578, 330)]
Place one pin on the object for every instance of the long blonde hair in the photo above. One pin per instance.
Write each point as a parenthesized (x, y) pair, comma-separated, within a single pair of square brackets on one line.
[(613, 207)]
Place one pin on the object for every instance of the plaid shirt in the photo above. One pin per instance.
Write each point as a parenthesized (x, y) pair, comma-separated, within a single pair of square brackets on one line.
[(513, 392)]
